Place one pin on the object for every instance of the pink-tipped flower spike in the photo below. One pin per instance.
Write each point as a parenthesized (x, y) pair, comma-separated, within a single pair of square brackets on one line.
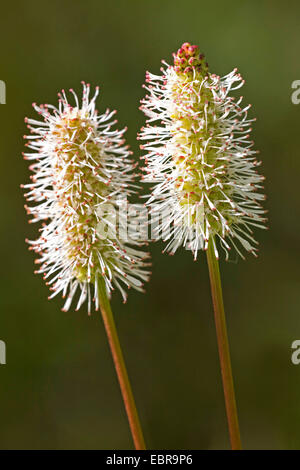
[(200, 156), (81, 165), (204, 169), (81, 172)]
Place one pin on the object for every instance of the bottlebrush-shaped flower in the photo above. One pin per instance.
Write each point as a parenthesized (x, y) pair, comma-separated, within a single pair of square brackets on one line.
[(200, 156), (81, 166)]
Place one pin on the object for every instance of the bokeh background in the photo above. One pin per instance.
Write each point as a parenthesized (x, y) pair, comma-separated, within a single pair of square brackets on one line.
[(58, 389)]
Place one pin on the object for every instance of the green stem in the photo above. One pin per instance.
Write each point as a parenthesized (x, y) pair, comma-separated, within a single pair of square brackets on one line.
[(118, 359), (223, 346)]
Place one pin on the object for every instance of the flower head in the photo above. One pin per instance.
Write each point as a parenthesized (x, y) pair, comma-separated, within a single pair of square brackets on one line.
[(200, 157), (81, 170)]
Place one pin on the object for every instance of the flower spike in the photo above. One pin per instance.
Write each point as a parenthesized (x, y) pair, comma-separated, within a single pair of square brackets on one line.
[(81, 170), (200, 156)]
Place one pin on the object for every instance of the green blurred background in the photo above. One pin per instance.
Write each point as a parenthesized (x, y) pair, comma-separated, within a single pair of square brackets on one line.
[(59, 389)]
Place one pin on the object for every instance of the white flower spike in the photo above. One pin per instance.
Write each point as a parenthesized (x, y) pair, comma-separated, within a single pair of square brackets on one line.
[(80, 164), (200, 156)]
